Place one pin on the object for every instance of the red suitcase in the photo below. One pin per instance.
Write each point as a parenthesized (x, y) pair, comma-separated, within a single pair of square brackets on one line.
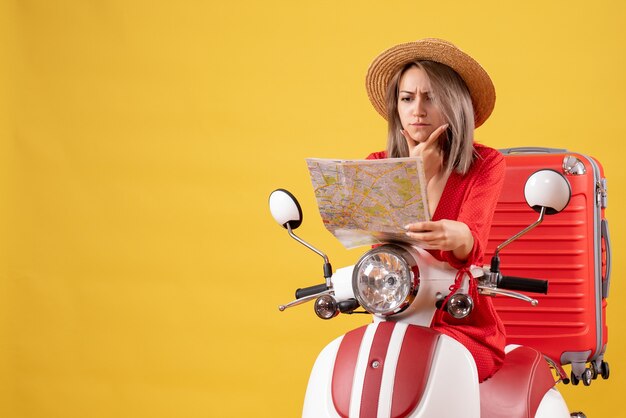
[(570, 249)]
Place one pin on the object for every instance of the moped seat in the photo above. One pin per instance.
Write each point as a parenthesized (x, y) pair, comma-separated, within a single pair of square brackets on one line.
[(516, 390)]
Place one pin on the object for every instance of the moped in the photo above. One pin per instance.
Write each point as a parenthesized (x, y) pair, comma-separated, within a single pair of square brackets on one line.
[(397, 366)]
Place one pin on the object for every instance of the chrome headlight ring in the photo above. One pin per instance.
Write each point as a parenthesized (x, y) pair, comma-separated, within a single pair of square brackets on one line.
[(385, 280)]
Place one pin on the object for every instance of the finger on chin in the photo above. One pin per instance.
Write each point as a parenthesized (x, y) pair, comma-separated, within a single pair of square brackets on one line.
[(436, 134)]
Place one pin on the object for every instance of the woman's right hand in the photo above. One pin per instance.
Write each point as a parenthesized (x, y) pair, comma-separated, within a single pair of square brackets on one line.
[(429, 150)]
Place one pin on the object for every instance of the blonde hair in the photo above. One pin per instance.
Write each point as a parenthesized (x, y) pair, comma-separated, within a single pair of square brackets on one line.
[(452, 97)]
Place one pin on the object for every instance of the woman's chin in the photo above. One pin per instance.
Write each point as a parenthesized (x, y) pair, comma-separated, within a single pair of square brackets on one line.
[(419, 135), (419, 138)]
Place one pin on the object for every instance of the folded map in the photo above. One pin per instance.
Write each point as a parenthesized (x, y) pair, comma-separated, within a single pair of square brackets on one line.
[(365, 202)]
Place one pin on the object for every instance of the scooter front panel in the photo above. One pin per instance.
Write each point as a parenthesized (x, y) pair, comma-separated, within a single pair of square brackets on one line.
[(386, 373)]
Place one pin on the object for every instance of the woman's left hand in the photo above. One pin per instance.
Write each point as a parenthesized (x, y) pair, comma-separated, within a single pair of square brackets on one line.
[(445, 235), (429, 150)]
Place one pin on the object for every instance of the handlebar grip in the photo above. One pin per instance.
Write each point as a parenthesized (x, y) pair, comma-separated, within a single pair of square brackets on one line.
[(523, 284), (311, 290)]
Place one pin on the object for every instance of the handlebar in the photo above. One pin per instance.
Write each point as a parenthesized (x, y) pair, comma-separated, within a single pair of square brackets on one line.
[(523, 284), (311, 290)]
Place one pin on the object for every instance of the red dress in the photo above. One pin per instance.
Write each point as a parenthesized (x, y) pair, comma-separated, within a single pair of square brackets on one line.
[(471, 199)]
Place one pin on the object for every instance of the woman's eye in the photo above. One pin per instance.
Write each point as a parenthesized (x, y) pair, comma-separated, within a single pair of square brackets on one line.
[(405, 99)]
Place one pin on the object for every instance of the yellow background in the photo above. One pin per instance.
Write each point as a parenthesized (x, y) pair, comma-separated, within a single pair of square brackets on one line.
[(140, 269)]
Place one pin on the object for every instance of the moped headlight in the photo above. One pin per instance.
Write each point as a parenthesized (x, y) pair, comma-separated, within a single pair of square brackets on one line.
[(385, 280)]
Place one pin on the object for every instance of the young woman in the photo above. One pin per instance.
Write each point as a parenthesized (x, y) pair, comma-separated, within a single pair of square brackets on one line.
[(433, 96)]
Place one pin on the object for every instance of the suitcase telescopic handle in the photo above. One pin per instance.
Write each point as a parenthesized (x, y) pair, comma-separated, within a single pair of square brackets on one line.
[(606, 280), (532, 150)]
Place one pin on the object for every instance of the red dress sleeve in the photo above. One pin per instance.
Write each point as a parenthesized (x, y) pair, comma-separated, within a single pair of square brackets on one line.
[(474, 196), (379, 155)]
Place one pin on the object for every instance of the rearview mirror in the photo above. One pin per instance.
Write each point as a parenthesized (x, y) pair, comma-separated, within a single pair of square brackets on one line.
[(548, 189), (285, 208)]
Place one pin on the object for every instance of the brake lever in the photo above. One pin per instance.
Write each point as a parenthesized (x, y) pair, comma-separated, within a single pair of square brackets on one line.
[(492, 291), (304, 300)]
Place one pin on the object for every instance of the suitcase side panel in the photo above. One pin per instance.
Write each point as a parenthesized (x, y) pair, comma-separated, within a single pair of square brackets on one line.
[(602, 258)]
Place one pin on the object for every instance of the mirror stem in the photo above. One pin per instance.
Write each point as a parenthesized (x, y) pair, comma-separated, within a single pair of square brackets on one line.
[(328, 270), (494, 275), (522, 232)]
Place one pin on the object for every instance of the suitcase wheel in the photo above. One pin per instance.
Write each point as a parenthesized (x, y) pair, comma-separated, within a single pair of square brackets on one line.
[(587, 377), (594, 370), (604, 370)]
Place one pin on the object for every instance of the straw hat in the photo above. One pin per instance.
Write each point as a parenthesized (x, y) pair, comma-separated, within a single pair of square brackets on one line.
[(393, 59)]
